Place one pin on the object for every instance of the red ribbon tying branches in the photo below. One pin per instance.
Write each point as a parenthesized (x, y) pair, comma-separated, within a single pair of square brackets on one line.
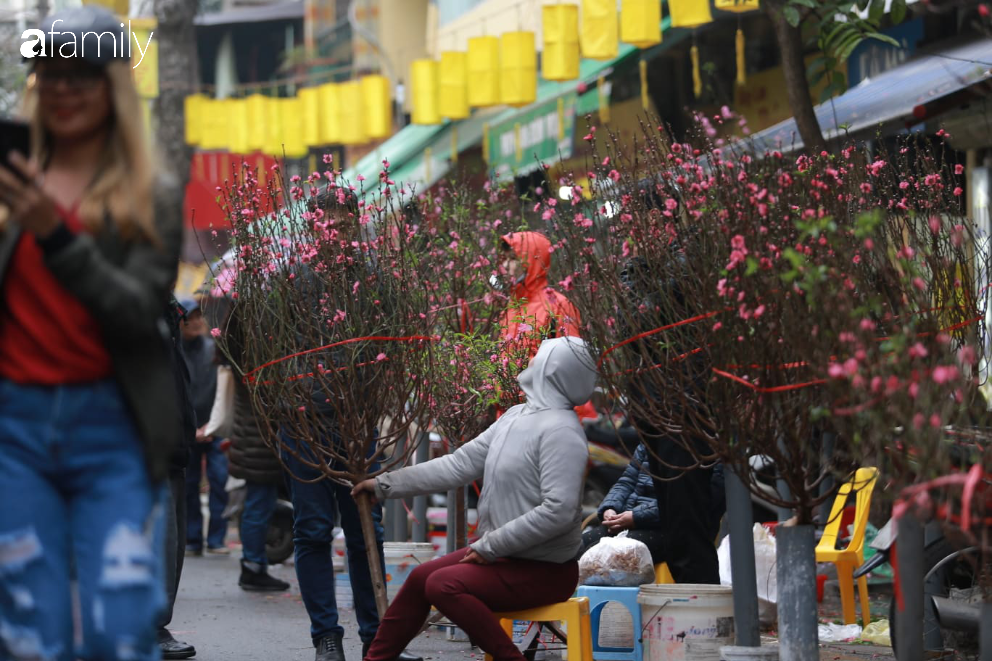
[(249, 377)]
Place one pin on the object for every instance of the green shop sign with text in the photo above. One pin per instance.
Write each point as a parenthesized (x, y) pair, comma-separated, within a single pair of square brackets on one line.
[(540, 135)]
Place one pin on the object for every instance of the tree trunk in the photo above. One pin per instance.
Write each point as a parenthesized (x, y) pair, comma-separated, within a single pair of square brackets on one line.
[(375, 562), (790, 46), (461, 525), (178, 73)]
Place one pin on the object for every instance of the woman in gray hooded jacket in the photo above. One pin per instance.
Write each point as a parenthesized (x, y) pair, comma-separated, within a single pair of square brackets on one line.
[(533, 460)]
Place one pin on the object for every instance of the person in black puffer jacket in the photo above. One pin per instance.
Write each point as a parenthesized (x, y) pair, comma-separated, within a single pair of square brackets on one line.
[(685, 497), (632, 505), (252, 459)]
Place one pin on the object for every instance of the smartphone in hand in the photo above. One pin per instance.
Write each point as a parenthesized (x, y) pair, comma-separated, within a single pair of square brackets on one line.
[(15, 135)]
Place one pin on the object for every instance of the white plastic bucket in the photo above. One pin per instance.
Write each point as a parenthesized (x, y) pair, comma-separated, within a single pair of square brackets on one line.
[(703, 649), (672, 614), (401, 559), (763, 653)]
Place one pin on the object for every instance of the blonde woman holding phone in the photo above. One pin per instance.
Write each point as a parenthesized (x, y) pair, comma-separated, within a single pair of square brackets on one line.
[(88, 411)]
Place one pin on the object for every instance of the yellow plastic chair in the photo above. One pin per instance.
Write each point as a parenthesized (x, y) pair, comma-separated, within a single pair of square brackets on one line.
[(848, 559), (574, 613)]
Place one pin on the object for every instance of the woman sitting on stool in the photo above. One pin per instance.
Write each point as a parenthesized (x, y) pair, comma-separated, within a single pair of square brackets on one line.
[(533, 459), (631, 505)]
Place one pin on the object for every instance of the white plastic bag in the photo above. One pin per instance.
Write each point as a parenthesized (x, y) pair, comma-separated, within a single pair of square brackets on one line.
[(765, 571), (617, 561), (830, 632)]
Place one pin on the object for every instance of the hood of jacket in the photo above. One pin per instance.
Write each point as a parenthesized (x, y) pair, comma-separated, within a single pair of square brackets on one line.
[(561, 376), (533, 250)]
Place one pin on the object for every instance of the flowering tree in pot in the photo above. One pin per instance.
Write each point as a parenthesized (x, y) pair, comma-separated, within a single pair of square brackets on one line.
[(728, 295), (337, 346)]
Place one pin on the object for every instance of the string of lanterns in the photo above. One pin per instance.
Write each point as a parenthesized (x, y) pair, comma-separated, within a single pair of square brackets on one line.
[(491, 71)]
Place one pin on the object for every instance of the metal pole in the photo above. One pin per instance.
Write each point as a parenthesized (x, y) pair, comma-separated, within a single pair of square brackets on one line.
[(795, 556), (827, 486), (451, 534), (933, 639), (784, 513), (741, 522), (909, 553), (420, 502), (396, 518), (985, 633)]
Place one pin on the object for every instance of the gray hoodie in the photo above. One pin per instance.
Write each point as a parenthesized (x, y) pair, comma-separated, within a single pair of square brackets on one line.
[(533, 459)]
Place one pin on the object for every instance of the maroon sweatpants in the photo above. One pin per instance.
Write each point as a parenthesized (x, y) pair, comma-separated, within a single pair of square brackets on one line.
[(468, 594)]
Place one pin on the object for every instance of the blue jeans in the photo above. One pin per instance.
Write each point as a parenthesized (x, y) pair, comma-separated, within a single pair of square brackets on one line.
[(217, 480), (75, 493), (314, 505), (260, 502)]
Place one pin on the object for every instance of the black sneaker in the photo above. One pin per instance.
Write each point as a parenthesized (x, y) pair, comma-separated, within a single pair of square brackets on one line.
[(329, 648), (260, 581)]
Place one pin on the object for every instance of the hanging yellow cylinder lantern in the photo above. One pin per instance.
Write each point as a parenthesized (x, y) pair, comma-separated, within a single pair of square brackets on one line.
[(697, 79), (216, 125), (483, 71), (310, 116), (640, 22), (599, 29), (237, 135), (453, 77), (737, 6), (291, 112), (330, 114), (689, 13), (257, 106), (423, 93), (273, 128), (518, 69), (741, 64), (377, 104), (193, 111), (560, 59), (351, 113)]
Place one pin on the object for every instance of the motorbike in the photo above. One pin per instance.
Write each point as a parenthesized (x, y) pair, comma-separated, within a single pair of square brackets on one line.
[(952, 598)]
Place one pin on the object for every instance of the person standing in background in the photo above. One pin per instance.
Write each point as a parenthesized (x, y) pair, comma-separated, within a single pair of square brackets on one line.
[(200, 352), (175, 510)]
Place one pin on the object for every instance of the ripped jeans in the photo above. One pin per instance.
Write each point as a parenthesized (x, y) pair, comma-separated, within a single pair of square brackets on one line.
[(76, 507)]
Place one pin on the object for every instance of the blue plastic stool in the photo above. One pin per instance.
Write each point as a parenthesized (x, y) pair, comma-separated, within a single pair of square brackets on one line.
[(598, 597)]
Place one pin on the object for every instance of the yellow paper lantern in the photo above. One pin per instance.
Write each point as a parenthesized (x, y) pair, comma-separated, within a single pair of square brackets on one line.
[(518, 68), (258, 118), (599, 29), (216, 124), (483, 71), (291, 113), (737, 6), (193, 107), (689, 13), (377, 104), (560, 59), (453, 76), (423, 93), (741, 63), (330, 114), (640, 22), (237, 135), (273, 128), (351, 113), (310, 116)]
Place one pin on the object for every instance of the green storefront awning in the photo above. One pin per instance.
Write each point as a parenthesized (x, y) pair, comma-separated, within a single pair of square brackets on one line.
[(405, 144)]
